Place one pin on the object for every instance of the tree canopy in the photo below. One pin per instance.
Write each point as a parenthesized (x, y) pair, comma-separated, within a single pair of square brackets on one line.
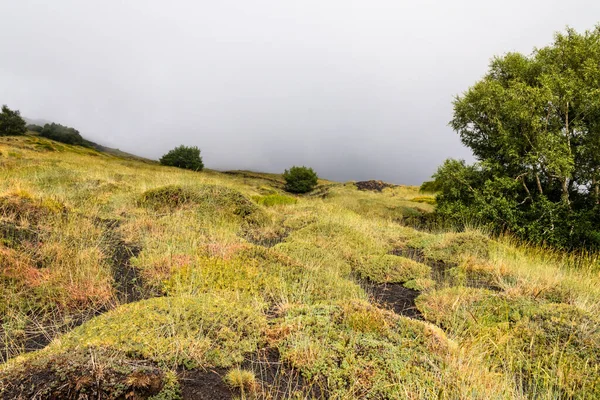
[(11, 122), (300, 179), (61, 133), (533, 124)]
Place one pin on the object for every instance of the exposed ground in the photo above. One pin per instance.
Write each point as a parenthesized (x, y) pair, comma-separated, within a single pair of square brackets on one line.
[(125, 279)]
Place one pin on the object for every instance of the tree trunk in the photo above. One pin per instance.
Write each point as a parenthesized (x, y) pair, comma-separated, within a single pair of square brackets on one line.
[(539, 183), (565, 183)]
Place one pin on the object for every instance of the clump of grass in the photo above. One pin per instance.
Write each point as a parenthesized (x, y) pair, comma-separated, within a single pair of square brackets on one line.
[(242, 379), (389, 268), (547, 348), (207, 199), (275, 199), (200, 331), (356, 350), (22, 206), (420, 284), (452, 247), (423, 199)]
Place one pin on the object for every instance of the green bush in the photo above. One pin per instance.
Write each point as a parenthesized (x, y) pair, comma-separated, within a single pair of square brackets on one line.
[(183, 157), (300, 179), (61, 133), (11, 122)]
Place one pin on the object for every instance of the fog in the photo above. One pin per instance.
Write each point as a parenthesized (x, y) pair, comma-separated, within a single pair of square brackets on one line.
[(355, 89)]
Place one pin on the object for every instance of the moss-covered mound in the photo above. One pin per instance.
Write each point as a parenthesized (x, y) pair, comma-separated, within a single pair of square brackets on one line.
[(389, 268), (208, 199), (200, 331), (546, 347), (355, 350), (22, 207), (451, 248)]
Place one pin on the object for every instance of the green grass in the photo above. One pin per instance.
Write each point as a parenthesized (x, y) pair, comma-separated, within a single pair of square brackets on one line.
[(229, 266)]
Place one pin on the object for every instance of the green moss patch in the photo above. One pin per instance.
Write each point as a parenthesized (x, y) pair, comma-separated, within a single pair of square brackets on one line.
[(275, 200)]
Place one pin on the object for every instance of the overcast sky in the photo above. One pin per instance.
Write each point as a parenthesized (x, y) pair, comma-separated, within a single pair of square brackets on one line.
[(355, 89)]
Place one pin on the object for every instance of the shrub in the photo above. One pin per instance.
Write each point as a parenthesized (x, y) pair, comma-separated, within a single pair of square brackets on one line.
[(300, 179), (61, 133), (11, 122), (183, 157)]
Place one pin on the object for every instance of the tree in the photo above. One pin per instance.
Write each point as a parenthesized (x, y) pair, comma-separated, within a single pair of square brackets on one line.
[(63, 134), (300, 179), (533, 124), (35, 128), (11, 123), (183, 157)]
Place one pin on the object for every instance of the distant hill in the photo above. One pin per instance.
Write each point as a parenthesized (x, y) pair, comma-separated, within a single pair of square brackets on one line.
[(89, 143)]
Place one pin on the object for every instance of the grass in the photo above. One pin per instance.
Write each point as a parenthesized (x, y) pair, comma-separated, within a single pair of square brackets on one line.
[(227, 267)]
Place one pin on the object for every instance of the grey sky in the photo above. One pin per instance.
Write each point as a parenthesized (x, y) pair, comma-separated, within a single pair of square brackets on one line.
[(355, 89)]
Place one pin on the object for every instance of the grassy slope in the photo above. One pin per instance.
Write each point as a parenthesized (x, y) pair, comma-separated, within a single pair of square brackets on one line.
[(170, 269)]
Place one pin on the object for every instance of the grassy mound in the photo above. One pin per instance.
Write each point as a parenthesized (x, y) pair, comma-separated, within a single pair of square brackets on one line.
[(205, 198), (355, 350), (200, 331), (452, 248), (275, 200), (392, 269), (546, 347)]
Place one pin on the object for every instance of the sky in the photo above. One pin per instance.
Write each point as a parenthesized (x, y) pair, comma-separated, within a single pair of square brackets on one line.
[(354, 89)]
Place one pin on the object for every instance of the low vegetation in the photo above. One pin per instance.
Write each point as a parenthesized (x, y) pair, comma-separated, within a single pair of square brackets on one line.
[(125, 279)]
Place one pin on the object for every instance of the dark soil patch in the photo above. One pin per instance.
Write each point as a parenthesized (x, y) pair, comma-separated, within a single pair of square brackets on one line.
[(395, 297), (277, 380), (441, 270), (375, 186), (128, 281), (261, 239), (37, 333), (14, 236), (204, 385), (82, 375), (274, 379)]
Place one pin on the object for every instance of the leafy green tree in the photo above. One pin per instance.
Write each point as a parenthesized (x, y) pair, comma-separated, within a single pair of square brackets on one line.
[(183, 157), (533, 124), (11, 123), (300, 179), (61, 133)]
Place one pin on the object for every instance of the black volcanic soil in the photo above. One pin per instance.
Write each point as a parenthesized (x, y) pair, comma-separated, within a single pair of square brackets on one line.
[(395, 297)]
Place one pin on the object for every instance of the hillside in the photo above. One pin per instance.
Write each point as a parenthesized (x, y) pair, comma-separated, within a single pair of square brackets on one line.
[(126, 279)]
